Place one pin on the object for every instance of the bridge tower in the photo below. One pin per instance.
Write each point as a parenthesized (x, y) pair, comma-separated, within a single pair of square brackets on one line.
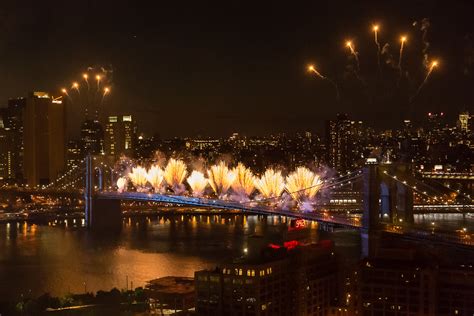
[(385, 200), (100, 214)]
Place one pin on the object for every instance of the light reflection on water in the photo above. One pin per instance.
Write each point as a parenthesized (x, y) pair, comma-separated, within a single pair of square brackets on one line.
[(65, 257), (450, 222)]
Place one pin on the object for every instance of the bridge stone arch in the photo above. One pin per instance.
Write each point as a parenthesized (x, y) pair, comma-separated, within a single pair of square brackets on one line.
[(385, 199), (100, 214)]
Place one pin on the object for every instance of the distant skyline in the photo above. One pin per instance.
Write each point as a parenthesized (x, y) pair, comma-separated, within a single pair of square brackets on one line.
[(212, 69)]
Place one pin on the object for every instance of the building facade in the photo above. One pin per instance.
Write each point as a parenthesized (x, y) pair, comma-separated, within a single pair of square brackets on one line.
[(120, 136), (292, 280), (44, 132)]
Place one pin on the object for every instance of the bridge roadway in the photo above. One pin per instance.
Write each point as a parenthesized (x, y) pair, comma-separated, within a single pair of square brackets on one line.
[(249, 207)]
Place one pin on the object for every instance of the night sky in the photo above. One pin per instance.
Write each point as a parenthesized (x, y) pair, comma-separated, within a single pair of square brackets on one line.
[(188, 68)]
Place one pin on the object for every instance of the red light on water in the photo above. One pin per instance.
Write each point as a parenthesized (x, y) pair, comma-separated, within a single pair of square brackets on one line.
[(290, 244)]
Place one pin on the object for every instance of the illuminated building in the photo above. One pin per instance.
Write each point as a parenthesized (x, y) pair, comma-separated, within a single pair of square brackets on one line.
[(120, 135), (14, 121), (74, 154), (7, 150), (92, 137), (464, 121), (338, 143), (291, 279), (44, 138)]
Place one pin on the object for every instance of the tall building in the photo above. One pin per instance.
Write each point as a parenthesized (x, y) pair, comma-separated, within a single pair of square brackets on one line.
[(291, 279), (464, 121), (92, 137), (13, 122), (44, 132), (74, 154), (120, 135), (7, 150), (338, 143)]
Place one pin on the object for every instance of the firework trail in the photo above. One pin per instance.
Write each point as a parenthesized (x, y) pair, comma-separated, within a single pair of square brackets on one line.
[(244, 182), (197, 182), (155, 177), (303, 184), (175, 173), (121, 184), (350, 45), (376, 39), (271, 184), (220, 178), (138, 176), (402, 44), (433, 65), (92, 97), (312, 69)]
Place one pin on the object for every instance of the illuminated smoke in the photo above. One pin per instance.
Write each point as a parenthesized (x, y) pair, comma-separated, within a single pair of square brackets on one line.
[(303, 184), (138, 176), (220, 178), (121, 184), (155, 177), (244, 181), (271, 184), (174, 174), (197, 182)]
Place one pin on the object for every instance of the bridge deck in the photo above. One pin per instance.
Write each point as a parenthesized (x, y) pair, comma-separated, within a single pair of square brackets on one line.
[(249, 207)]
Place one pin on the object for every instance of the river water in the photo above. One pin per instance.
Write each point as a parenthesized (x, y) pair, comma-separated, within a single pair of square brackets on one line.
[(61, 257)]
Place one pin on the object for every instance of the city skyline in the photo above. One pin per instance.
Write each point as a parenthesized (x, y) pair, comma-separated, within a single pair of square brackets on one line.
[(224, 67)]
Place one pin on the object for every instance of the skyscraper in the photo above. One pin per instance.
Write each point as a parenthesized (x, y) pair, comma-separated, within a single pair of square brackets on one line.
[(13, 120), (338, 143), (44, 120), (120, 135), (6, 150), (92, 137), (464, 120)]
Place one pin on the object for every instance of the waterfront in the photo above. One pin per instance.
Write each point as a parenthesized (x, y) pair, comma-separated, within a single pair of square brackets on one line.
[(64, 257), (67, 258)]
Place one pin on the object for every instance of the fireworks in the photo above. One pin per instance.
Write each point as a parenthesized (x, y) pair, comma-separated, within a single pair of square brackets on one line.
[(90, 96), (375, 28), (433, 65), (271, 184), (121, 184), (244, 182), (175, 173), (197, 182), (402, 43), (350, 45), (138, 176), (220, 178), (312, 69), (155, 177), (303, 184)]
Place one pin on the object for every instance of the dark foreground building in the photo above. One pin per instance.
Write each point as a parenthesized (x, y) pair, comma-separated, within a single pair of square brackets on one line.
[(291, 279), (401, 282)]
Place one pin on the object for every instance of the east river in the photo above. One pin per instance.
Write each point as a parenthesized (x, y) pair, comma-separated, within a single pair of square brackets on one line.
[(61, 257)]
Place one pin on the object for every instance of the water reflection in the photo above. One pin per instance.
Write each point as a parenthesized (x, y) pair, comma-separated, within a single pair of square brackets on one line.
[(62, 256)]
